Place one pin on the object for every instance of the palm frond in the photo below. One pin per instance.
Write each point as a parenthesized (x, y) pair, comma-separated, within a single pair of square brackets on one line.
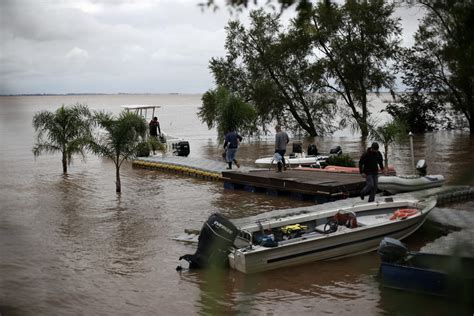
[(38, 149)]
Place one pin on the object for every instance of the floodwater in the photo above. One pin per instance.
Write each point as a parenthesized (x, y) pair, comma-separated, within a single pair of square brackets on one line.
[(70, 246)]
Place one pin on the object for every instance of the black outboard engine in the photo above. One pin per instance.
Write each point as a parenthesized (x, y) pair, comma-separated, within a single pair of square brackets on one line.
[(182, 148), (297, 148), (215, 239), (392, 250), (336, 151), (312, 150), (421, 167)]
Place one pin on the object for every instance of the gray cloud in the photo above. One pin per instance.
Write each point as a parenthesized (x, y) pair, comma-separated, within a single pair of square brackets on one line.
[(61, 46)]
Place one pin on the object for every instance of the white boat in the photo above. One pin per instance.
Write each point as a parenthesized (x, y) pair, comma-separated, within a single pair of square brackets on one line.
[(299, 158), (174, 145), (323, 238), (306, 237), (397, 184)]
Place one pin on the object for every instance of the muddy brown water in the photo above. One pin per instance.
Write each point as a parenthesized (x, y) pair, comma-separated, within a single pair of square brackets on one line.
[(70, 246)]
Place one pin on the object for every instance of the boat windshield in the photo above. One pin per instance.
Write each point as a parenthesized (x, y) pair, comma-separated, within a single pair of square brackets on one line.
[(142, 110)]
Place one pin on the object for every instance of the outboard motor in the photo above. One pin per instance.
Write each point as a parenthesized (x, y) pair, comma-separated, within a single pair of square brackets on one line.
[(392, 250), (421, 167), (297, 148), (336, 151), (162, 139), (215, 239), (312, 150), (182, 148)]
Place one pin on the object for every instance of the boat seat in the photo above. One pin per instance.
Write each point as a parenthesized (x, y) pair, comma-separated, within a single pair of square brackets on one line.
[(371, 220), (320, 228)]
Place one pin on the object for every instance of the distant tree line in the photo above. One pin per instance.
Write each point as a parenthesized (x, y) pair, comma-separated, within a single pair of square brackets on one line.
[(336, 54)]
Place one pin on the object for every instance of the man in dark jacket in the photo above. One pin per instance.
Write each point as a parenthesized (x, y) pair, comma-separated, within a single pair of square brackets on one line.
[(369, 162), (154, 127), (231, 143)]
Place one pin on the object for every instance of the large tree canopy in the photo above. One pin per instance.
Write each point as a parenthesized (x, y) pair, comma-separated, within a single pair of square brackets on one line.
[(294, 76), (358, 40), (276, 72), (439, 66)]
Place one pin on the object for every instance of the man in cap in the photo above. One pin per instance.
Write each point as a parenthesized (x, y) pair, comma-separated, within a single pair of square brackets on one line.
[(369, 162)]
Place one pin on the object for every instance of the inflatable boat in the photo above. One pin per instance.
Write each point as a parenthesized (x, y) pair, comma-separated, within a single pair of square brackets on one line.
[(397, 184)]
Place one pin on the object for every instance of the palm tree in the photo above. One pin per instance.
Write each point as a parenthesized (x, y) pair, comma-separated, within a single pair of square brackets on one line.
[(123, 135), (388, 134), (66, 131)]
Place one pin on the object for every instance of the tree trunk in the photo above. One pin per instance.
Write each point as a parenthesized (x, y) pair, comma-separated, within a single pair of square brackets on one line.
[(118, 186), (364, 130), (64, 163), (471, 124), (386, 156)]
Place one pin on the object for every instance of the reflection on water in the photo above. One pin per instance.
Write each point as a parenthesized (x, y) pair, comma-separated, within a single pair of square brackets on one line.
[(343, 286), (70, 245)]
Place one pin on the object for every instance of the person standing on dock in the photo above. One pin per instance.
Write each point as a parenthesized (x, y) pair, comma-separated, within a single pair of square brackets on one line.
[(231, 144), (154, 127), (369, 162), (281, 140)]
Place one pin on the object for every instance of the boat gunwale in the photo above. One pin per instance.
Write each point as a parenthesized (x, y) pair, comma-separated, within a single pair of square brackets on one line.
[(297, 218), (415, 222), (258, 248)]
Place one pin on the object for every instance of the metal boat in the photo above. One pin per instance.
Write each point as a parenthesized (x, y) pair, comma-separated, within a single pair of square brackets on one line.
[(309, 236), (434, 274), (325, 236), (173, 145)]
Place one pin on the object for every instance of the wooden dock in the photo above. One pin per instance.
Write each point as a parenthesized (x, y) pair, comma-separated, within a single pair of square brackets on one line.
[(320, 187), (305, 185)]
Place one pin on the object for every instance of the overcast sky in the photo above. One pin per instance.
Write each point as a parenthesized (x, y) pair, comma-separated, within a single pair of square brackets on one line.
[(111, 46)]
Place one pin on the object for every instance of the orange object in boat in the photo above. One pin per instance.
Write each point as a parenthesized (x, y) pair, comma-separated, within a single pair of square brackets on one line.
[(404, 213), (340, 169)]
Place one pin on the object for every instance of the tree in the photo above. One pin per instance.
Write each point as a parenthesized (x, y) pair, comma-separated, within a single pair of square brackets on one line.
[(275, 72), (388, 134), (420, 112), (439, 65), (238, 4), (67, 130), (358, 40), (226, 112), (121, 140)]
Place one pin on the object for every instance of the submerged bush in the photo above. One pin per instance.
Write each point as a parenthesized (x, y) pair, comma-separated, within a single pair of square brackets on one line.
[(343, 160), (143, 149)]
